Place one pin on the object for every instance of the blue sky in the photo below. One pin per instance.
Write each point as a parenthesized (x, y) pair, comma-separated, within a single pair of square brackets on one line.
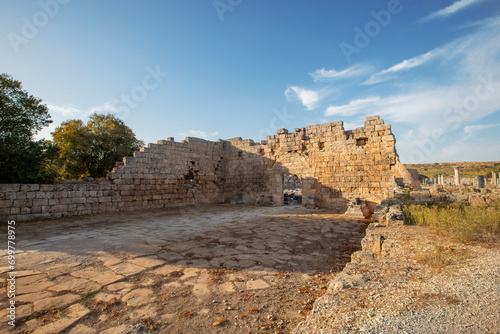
[(241, 68)]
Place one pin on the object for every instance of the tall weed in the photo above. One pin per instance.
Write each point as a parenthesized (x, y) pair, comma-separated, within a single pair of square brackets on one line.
[(459, 221)]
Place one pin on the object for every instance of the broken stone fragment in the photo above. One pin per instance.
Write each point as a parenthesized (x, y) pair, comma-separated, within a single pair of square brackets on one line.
[(357, 208)]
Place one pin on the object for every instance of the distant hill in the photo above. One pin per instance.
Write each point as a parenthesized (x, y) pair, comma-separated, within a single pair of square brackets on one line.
[(469, 169)]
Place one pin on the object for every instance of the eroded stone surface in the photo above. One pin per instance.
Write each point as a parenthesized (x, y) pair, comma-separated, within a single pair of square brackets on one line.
[(75, 313), (54, 302)]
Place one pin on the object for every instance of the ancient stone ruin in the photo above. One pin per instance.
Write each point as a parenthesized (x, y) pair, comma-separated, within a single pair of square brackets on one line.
[(334, 166)]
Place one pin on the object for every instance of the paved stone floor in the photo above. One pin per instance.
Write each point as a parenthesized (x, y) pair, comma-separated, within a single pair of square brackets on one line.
[(210, 269)]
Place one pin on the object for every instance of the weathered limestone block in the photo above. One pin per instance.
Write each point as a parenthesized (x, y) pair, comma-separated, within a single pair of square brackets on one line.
[(395, 216), (372, 242), (380, 214)]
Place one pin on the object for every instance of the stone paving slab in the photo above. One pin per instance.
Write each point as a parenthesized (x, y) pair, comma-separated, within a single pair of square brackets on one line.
[(54, 302), (33, 297), (139, 297), (103, 278), (75, 313), (34, 287), (181, 270), (63, 269), (147, 262), (126, 269)]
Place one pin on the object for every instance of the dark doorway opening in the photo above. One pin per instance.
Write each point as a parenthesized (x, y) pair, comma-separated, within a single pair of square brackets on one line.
[(292, 190)]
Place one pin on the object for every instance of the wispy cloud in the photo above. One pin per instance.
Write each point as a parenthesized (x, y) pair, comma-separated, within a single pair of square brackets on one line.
[(450, 10), (413, 62), (309, 98), (200, 134), (353, 107), (487, 22), (106, 107), (323, 75), (64, 110), (74, 111), (471, 130), (404, 65)]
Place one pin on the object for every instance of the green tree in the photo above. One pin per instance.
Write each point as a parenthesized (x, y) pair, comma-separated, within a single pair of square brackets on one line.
[(92, 149), (22, 159)]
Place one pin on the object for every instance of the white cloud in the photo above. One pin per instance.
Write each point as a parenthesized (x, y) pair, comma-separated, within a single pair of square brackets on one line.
[(404, 65), (487, 22), (352, 108), (75, 112), (471, 130), (106, 107), (322, 74), (64, 110), (309, 98), (413, 62), (200, 134), (450, 10)]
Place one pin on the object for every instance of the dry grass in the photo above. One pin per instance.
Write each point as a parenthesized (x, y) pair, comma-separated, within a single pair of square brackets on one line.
[(436, 257), (461, 222)]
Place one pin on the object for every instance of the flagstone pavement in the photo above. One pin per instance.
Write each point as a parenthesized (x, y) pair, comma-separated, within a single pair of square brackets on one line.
[(173, 270)]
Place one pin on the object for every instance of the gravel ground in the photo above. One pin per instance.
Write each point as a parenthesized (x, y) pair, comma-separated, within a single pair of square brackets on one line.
[(420, 283)]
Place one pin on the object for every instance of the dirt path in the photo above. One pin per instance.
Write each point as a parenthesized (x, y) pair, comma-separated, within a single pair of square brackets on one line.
[(213, 269)]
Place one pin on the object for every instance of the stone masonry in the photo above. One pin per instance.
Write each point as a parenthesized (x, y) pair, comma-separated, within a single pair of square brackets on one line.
[(334, 166)]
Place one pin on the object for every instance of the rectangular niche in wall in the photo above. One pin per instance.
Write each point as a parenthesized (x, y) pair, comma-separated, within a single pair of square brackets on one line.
[(361, 141)]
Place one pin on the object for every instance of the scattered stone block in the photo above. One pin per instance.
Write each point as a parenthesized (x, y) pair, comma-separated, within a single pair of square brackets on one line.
[(357, 209)]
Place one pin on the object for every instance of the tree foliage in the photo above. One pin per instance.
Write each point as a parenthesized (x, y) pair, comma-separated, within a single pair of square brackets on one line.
[(78, 150), (92, 149), (22, 159)]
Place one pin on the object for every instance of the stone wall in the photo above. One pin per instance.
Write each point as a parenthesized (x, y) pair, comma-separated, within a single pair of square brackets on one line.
[(333, 165)]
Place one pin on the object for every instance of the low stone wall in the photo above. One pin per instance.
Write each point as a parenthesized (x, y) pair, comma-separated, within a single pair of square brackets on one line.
[(34, 201)]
